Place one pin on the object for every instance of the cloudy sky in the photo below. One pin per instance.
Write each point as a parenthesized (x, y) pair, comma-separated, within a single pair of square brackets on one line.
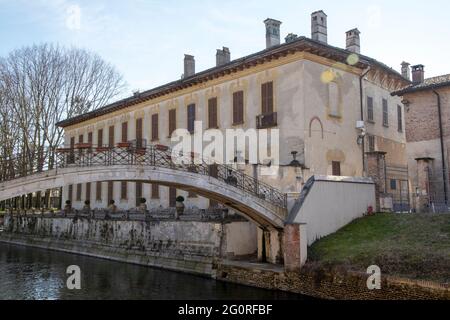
[(146, 39)]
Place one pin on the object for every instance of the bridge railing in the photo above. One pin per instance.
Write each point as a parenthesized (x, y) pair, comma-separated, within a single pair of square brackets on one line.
[(163, 157)]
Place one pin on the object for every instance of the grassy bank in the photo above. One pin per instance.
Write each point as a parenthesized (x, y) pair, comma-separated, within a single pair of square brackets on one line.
[(406, 245)]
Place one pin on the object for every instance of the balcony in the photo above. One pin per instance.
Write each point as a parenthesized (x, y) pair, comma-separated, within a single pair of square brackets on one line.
[(265, 121)]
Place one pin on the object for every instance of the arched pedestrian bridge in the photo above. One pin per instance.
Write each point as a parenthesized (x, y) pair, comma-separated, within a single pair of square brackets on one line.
[(258, 201)]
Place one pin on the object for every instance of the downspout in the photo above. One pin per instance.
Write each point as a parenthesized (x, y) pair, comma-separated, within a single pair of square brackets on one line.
[(441, 133), (361, 96)]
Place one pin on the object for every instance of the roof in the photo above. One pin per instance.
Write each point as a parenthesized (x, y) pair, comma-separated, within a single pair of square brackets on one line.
[(427, 84), (301, 44)]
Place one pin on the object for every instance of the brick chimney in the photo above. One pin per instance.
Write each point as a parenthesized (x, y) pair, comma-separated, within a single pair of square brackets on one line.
[(189, 65), (272, 32), (223, 56), (406, 72), (353, 41), (418, 73), (319, 26)]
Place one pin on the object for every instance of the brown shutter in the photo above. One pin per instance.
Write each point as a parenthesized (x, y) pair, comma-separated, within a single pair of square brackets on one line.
[(138, 193), (90, 138), (172, 121), (336, 167), (155, 128), (190, 117), (70, 195), (79, 192), (111, 137), (267, 98), (125, 132), (81, 139), (110, 191), (238, 107), (155, 191), (98, 191), (100, 138), (172, 197), (139, 132), (212, 113), (123, 190), (88, 191)]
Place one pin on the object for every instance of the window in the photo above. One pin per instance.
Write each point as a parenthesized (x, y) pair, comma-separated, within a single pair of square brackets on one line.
[(172, 197), (79, 192), (98, 191), (267, 98), (336, 167), (155, 191), (191, 118), (139, 143), (124, 190), (370, 116), (110, 191), (393, 184), (70, 193), (400, 119), (172, 121), (138, 193), (100, 138), (111, 137), (371, 143), (81, 139), (125, 132), (385, 113), (90, 138), (238, 107), (212, 113), (88, 191), (155, 127)]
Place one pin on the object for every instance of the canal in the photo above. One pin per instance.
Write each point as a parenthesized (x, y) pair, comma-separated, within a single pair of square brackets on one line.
[(29, 274)]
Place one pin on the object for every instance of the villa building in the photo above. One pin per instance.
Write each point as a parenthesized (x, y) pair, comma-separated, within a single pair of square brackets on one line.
[(333, 108)]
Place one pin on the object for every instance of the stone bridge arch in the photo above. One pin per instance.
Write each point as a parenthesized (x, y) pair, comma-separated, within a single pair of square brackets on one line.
[(258, 210)]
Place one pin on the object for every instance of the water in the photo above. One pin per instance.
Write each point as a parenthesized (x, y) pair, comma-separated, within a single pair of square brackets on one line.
[(29, 273)]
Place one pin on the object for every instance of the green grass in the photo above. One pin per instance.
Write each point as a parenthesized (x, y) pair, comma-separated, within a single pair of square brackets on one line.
[(406, 245)]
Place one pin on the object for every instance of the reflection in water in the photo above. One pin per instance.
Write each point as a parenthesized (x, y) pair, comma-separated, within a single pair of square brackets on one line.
[(29, 273)]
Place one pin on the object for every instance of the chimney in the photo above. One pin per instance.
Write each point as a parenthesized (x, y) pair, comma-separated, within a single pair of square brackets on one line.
[(189, 65), (353, 41), (272, 32), (319, 26), (406, 71), (223, 56), (418, 74), (290, 37)]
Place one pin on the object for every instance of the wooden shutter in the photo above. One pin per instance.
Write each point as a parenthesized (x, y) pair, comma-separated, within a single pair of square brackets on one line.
[(79, 192), (400, 119), (72, 143), (190, 117), (370, 108), (212, 113), (70, 193), (124, 190), (172, 197), (110, 191), (172, 121), (155, 191), (238, 107), (155, 127), (90, 138), (267, 98), (139, 132), (111, 137), (98, 191), (336, 168), (125, 132), (81, 138), (100, 138), (88, 191), (138, 193), (385, 113)]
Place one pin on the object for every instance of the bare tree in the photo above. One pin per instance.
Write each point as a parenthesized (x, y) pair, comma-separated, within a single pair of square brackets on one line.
[(40, 86)]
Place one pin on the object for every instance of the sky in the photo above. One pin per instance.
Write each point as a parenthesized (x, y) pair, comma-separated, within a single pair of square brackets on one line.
[(146, 39)]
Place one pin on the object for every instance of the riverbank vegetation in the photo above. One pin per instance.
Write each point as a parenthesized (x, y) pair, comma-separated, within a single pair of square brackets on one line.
[(414, 246)]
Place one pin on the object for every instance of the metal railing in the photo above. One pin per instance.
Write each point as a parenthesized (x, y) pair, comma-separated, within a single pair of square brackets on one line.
[(152, 156)]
